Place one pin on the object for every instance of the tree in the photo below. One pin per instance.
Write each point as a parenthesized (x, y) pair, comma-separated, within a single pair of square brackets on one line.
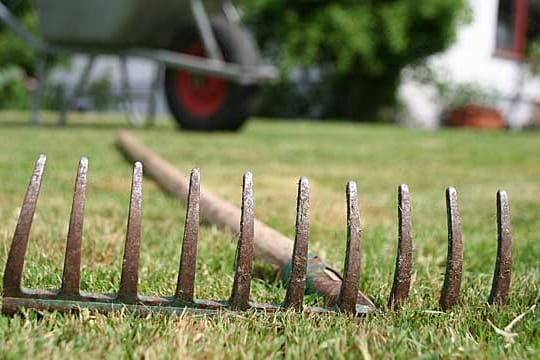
[(534, 55), (361, 46), (17, 59), (13, 51)]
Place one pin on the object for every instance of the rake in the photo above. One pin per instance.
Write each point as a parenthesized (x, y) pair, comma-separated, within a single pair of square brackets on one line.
[(302, 273)]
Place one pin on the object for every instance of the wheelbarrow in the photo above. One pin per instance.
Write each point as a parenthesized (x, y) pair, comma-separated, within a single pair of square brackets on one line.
[(208, 64)]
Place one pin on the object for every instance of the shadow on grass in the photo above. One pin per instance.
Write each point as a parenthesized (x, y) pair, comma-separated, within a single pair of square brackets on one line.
[(105, 126), (19, 119)]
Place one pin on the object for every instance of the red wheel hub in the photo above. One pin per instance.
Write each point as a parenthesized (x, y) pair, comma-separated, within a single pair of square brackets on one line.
[(202, 96)]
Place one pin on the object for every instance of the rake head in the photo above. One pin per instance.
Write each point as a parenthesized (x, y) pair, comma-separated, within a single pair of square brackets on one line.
[(70, 298)]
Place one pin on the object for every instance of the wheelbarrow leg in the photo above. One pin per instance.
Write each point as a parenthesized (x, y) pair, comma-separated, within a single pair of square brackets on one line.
[(230, 11), (38, 91), (79, 87), (205, 30), (152, 99), (133, 116)]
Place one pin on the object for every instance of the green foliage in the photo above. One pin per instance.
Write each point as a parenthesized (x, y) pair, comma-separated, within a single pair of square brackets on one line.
[(17, 60), (18, 7), (13, 94), (100, 92), (14, 51), (53, 96), (451, 94), (363, 43), (534, 54)]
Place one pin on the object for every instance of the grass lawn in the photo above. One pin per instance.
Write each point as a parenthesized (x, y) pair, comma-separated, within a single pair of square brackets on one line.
[(378, 157)]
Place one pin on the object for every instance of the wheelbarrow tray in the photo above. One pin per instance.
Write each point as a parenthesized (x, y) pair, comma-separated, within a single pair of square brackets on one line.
[(115, 23)]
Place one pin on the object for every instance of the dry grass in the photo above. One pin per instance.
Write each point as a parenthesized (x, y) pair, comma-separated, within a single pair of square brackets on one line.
[(377, 157)]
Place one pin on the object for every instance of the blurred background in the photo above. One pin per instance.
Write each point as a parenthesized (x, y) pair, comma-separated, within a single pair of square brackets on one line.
[(421, 64)]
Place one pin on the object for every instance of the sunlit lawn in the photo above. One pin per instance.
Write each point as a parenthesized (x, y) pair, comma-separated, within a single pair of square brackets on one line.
[(378, 157)]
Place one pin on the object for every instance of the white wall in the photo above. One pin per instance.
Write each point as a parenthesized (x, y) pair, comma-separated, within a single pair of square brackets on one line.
[(472, 59)]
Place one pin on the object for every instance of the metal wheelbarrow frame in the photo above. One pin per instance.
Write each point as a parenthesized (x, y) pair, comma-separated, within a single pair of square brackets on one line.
[(213, 65)]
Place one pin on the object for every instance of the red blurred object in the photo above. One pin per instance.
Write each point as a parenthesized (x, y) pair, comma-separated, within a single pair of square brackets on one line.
[(201, 95), (476, 116)]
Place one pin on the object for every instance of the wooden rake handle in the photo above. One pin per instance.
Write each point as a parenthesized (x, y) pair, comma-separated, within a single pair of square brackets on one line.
[(271, 246)]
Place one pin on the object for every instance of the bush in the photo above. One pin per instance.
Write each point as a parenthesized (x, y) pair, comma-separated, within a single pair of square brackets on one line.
[(534, 55), (363, 45), (18, 62), (13, 94), (100, 92), (13, 50)]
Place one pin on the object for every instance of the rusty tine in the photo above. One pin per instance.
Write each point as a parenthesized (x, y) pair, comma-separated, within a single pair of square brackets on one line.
[(15, 262), (130, 265), (244, 253), (503, 266), (72, 262), (452, 277), (351, 273), (402, 273), (297, 280), (188, 260)]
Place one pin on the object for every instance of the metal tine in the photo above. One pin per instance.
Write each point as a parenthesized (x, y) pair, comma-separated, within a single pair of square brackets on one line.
[(186, 274), (503, 266), (297, 281), (72, 262), (244, 253), (403, 269), (130, 265), (15, 261), (452, 278), (351, 273)]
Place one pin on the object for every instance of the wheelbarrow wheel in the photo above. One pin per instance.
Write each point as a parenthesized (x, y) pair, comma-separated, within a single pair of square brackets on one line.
[(207, 103)]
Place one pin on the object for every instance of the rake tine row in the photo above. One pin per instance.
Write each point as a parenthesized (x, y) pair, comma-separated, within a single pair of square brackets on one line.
[(69, 296)]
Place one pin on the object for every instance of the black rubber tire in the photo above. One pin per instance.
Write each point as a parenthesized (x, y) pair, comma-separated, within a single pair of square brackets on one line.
[(238, 46)]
